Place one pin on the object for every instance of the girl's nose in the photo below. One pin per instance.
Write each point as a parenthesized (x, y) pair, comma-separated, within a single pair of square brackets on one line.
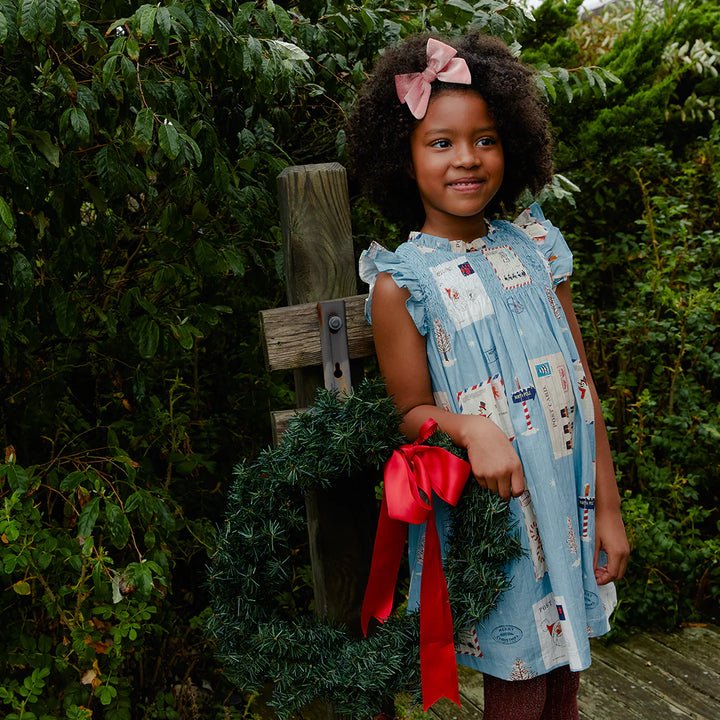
[(465, 155)]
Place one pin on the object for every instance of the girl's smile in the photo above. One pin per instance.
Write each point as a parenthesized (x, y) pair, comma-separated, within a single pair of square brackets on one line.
[(458, 164)]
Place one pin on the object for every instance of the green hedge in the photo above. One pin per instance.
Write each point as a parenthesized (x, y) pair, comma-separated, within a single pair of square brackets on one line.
[(139, 145)]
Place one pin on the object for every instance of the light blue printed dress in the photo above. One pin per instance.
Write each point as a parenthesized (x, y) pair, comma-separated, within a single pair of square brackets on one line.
[(498, 345)]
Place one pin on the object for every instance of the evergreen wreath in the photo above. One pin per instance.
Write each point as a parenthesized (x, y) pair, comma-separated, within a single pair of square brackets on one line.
[(261, 638)]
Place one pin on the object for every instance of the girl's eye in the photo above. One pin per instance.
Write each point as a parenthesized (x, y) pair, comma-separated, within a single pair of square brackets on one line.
[(487, 141), (440, 144)]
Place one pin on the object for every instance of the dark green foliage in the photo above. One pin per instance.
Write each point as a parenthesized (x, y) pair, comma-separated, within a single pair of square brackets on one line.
[(647, 250), (137, 242), (257, 563)]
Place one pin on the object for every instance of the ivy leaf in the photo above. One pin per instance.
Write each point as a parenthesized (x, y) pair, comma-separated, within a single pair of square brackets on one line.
[(144, 125), (3, 27), (6, 214), (72, 481), (118, 523), (47, 15), (28, 21), (88, 517), (169, 140), (148, 336)]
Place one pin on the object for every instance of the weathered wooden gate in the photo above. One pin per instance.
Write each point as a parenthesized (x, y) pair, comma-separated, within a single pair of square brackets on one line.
[(318, 336)]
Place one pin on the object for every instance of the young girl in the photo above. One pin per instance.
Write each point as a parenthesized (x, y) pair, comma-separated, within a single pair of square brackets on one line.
[(474, 327)]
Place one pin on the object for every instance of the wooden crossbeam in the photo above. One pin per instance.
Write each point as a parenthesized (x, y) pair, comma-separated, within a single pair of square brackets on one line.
[(292, 334)]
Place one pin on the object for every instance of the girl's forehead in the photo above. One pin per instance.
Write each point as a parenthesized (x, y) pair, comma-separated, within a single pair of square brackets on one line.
[(451, 105)]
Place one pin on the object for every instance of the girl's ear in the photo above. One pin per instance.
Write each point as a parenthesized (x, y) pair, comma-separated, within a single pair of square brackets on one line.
[(410, 170)]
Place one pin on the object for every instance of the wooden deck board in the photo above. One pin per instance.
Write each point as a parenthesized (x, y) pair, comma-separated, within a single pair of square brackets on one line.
[(650, 676), (670, 687), (637, 699)]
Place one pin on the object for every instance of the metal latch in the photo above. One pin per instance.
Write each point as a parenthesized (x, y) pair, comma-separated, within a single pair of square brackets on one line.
[(334, 343)]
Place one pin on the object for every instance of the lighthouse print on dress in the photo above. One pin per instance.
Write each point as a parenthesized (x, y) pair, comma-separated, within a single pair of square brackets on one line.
[(522, 395)]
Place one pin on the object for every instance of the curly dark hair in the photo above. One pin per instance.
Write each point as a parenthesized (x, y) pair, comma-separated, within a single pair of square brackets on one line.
[(379, 126)]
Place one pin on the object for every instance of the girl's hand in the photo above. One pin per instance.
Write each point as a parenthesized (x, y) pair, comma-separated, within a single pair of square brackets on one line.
[(495, 464), (610, 536)]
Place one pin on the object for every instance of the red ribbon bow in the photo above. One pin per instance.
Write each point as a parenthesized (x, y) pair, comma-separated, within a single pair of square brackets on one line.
[(412, 474)]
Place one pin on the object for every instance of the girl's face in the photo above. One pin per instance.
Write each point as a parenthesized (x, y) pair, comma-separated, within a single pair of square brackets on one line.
[(458, 164)]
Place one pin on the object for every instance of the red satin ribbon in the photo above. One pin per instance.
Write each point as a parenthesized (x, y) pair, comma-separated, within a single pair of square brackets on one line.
[(412, 474)]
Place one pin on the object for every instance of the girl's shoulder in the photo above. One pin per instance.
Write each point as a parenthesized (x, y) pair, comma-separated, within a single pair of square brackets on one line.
[(548, 240), (406, 260), (404, 265)]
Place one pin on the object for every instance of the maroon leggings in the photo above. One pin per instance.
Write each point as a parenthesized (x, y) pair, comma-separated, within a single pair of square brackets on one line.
[(552, 696)]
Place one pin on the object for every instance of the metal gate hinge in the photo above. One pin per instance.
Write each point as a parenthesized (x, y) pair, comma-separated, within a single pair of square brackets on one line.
[(334, 342)]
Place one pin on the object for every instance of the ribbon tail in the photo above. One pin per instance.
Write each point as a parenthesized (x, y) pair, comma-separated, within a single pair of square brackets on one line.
[(418, 98), (387, 555), (438, 664)]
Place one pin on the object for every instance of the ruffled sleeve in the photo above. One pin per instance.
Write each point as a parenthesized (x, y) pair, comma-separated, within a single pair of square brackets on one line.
[(377, 259), (550, 242)]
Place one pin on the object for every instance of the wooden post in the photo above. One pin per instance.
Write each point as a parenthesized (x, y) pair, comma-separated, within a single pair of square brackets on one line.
[(320, 265), (317, 245)]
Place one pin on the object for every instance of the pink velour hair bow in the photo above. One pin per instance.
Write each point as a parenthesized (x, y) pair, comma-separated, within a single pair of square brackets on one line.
[(414, 88)]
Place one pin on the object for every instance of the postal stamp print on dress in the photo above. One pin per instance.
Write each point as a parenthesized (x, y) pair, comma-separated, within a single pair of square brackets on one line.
[(550, 632), (552, 381), (489, 400), (468, 643), (507, 266), (462, 292)]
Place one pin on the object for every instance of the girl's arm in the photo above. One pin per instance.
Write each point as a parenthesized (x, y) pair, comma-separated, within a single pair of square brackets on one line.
[(402, 356), (609, 528)]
